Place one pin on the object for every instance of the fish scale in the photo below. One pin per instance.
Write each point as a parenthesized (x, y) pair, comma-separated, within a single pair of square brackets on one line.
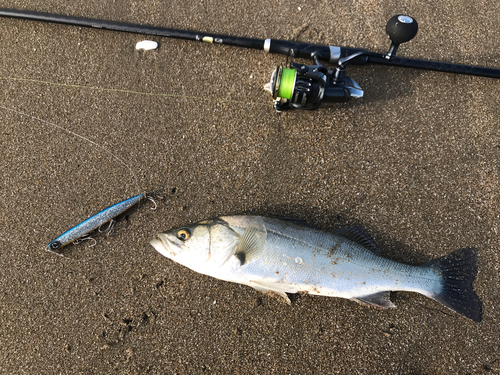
[(355, 272)]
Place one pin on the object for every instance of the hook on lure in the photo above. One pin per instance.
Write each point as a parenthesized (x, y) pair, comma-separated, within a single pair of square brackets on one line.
[(92, 223), (109, 229), (86, 237)]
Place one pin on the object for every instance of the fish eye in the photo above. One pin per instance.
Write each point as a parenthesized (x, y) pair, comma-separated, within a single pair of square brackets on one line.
[(184, 234)]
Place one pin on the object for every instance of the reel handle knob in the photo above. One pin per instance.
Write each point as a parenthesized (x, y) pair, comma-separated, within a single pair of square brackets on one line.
[(401, 29)]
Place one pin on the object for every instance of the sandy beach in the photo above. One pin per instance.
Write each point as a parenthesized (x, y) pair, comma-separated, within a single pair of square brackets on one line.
[(87, 121)]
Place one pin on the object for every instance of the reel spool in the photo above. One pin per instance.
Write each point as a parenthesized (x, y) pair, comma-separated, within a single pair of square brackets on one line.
[(295, 87)]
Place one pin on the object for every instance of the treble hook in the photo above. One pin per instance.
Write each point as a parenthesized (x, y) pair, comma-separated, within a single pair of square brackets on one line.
[(154, 202), (110, 227), (88, 238)]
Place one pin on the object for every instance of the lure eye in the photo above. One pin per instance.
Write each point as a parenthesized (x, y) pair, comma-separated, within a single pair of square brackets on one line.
[(54, 245), (183, 234)]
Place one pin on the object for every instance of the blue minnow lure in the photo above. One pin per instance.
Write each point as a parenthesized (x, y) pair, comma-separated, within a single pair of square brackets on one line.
[(93, 222)]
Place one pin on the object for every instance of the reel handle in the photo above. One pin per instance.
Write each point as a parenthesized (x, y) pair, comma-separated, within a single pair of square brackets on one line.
[(401, 29)]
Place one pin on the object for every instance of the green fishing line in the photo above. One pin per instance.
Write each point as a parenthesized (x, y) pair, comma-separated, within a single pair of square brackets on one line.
[(287, 83)]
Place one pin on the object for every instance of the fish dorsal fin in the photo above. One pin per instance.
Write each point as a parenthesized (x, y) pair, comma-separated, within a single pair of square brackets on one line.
[(379, 300), (360, 236), (252, 241)]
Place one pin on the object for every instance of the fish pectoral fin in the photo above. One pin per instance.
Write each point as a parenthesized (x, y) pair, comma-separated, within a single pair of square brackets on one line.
[(379, 300), (230, 249), (252, 241), (360, 236), (282, 296)]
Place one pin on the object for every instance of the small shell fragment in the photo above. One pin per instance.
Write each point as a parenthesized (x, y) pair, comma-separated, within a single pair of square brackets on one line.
[(146, 45)]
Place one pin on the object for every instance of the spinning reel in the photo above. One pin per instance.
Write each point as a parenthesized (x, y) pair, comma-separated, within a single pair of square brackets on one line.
[(302, 86)]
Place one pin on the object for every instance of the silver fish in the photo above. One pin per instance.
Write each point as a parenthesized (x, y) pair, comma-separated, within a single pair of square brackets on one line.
[(279, 257)]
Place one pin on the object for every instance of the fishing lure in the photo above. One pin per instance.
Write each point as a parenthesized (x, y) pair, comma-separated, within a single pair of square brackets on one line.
[(93, 222)]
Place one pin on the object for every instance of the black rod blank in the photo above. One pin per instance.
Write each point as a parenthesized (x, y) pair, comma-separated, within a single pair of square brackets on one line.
[(133, 28), (302, 50)]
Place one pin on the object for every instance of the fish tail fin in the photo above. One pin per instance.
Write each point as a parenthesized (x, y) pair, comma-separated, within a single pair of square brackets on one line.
[(458, 271)]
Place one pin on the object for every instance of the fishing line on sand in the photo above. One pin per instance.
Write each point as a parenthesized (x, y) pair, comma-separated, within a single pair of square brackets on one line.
[(121, 161), (103, 89)]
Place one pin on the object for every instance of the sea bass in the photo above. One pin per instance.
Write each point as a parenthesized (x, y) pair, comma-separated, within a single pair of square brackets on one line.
[(278, 257)]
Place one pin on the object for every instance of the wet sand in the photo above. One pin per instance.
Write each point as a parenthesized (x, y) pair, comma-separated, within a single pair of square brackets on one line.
[(88, 121)]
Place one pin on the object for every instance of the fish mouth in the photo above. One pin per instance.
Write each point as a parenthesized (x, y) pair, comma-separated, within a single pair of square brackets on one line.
[(163, 245)]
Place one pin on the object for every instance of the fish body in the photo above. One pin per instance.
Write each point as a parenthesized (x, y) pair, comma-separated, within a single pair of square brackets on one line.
[(93, 222), (279, 257)]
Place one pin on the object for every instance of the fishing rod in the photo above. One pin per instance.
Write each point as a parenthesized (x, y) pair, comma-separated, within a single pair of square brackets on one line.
[(294, 86)]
